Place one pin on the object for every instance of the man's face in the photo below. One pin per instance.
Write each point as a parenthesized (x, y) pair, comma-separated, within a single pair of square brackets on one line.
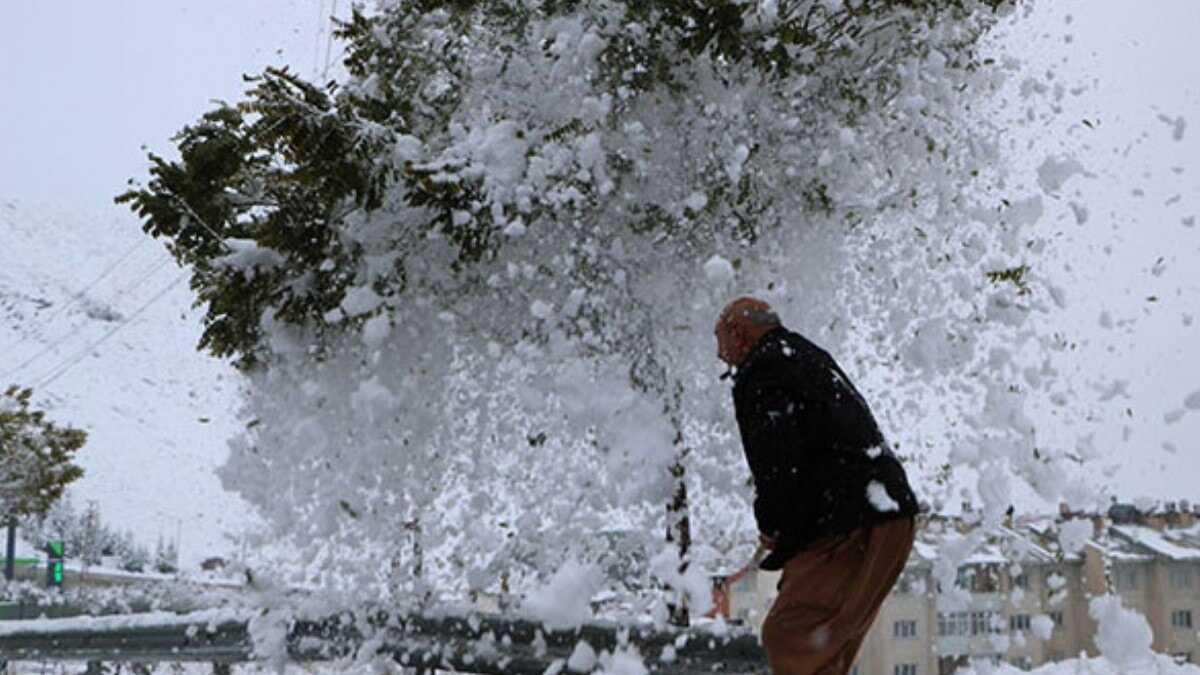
[(730, 343)]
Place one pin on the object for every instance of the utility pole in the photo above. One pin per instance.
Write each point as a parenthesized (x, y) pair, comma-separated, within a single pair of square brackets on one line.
[(11, 560)]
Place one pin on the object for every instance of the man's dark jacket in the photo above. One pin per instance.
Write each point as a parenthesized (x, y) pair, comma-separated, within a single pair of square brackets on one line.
[(821, 466)]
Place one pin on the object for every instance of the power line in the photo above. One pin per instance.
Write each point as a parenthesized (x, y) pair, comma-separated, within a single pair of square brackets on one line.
[(329, 41), (82, 354), (54, 344), (317, 37), (82, 292)]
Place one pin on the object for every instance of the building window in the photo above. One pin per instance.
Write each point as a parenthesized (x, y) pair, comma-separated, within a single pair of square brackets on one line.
[(1181, 618), (1182, 657), (965, 577), (1181, 578), (982, 623), (1057, 618), (967, 623), (1126, 579), (954, 623), (1018, 623), (1021, 581), (904, 630), (904, 669), (978, 579)]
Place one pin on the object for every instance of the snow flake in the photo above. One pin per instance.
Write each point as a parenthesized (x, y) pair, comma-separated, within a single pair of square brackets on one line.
[(624, 661), (375, 330), (1192, 402), (718, 269), (360, 300), (668, 654), (541, 310), (583, 658), (1073, 535), (516, 228), (563, 603), (878, 495), (1042, 626), (1053, 172), (1178, 125), (734, 167), (1122, 635)]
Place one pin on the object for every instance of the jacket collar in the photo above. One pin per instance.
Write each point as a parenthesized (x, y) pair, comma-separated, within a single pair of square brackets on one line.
[(764, 345)]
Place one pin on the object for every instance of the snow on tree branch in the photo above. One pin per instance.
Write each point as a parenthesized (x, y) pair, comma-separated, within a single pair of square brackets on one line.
[(36, 456), (473, 285)]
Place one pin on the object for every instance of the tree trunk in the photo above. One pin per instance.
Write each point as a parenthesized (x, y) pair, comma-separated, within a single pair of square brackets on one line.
[(679, 530), (679, 527)]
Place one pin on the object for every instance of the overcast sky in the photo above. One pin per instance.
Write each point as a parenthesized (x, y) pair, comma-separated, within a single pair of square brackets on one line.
[(85, 85), (1134, 265)]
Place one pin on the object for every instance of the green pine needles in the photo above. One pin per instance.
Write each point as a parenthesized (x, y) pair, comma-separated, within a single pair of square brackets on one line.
[(268, 195), (36, 456)]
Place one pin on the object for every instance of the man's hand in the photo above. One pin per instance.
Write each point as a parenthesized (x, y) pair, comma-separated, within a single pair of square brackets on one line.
[(765, 545)]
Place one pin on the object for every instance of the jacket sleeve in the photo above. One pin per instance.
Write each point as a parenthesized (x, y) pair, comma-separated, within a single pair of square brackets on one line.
[(777, 450)]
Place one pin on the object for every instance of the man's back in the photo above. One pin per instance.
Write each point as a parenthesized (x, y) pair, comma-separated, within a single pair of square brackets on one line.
[(821, 466)]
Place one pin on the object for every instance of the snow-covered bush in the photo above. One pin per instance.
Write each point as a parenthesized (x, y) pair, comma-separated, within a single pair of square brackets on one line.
[(473, 286)]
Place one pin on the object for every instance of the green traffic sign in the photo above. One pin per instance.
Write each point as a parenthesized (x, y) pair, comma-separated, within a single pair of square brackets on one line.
[(54, 566)]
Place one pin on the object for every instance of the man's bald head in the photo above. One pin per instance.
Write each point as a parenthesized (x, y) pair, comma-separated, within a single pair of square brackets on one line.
[(740, 326)]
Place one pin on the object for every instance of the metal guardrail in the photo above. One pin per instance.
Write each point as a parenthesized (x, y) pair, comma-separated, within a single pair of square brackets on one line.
[(478, 643)]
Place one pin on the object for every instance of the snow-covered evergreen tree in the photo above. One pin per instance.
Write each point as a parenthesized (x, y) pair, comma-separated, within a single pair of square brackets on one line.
[(473, 286), (36, 456), (130, 557), (91, 539), (166, 557)]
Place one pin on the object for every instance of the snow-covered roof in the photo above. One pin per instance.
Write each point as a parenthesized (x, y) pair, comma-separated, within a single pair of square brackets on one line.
[(1181, 544), (1119, 554), (1017, 543), (924, 552)]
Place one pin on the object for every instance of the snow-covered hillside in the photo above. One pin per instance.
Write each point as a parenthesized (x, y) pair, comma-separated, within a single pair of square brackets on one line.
[(97, 318)]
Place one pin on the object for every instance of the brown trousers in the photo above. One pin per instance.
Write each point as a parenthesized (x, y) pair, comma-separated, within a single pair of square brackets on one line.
[(829, 595)]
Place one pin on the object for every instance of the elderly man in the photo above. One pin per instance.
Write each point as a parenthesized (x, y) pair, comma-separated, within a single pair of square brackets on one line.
[(832, 502)]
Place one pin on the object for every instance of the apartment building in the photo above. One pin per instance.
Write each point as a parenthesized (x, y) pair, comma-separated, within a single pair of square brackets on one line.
[(1020, 598)]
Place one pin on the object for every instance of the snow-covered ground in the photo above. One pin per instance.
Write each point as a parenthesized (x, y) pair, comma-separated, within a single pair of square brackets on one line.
[(98, 320)]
